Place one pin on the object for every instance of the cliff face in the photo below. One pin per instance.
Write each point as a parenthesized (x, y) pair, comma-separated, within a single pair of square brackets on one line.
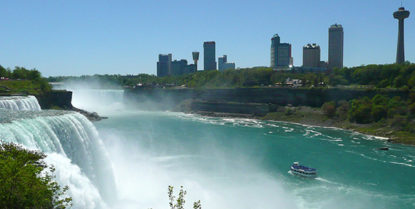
[(61, 99), (234, 108), (243, 100)]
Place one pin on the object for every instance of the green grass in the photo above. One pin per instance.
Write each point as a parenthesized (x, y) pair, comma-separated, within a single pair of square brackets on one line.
[(23, 87)]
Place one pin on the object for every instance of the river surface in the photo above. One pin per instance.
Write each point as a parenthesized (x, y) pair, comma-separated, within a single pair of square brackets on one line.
[(243, 163), (129, 160)]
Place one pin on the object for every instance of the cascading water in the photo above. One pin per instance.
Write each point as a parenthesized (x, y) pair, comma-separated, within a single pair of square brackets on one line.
[(19, 103), (73, 147)]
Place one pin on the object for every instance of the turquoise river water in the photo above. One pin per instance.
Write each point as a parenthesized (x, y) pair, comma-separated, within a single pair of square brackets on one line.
[(243, 163), (128, 160)]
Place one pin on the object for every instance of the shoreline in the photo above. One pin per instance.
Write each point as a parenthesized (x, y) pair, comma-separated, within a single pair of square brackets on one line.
[(346, 127)]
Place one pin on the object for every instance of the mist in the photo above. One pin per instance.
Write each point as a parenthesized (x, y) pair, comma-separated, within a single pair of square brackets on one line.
[(224, 162), (144, 166)]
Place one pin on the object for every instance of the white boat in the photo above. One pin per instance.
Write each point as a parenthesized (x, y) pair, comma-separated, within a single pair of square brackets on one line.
[(303, 171)]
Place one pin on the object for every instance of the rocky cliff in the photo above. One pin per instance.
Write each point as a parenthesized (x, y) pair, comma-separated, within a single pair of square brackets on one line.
[(243, 100)]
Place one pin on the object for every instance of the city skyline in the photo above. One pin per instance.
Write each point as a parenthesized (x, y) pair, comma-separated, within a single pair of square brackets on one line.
[(76, 38)]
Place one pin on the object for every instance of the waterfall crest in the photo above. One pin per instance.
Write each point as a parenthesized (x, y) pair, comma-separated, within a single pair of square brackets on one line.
[(19, 103), (80, 151)]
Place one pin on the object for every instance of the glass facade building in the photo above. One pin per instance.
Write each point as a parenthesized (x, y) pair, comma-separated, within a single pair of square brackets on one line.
[(336, 38), (280, 53), (209, 55), (164, 65)]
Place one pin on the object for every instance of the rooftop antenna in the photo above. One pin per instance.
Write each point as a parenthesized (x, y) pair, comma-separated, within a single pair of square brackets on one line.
[(401, 3)]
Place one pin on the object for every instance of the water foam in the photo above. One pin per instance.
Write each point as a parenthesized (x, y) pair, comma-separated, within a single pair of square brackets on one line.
[(19, 103), (82, 161)]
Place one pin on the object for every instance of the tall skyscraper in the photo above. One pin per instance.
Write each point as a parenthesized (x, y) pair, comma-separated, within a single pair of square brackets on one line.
[(209, 55), (164, 65), (311, 56), (280, 53), (336, 42), (336, 37), (401, 14)]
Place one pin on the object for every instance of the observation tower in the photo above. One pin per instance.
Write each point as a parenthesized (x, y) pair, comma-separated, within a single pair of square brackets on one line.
[(401, 15)]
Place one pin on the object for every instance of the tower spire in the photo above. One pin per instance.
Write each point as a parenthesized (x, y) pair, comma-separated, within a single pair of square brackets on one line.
[(400, 15)]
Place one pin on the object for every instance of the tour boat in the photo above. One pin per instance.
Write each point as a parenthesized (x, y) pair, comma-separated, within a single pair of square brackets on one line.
[(304, 171)]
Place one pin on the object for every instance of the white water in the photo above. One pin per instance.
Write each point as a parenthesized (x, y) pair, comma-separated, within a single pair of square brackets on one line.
[(93, 100), (91, 97), (72, 145), (19, 103)]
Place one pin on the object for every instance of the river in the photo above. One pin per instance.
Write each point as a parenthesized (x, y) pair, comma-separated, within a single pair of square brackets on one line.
[(237, 163)]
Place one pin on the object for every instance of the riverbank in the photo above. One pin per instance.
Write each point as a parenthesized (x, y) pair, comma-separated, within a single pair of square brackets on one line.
[(378, 112), (315, 117)]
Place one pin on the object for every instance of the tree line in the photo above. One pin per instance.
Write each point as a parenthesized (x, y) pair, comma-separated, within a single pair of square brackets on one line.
[(395, 112), (377, 76), (21, 79)]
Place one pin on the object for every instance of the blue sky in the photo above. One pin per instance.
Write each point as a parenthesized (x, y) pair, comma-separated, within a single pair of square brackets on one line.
[(71, 37)]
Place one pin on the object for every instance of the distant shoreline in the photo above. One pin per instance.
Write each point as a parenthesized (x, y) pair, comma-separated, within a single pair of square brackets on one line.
[(327, 123)]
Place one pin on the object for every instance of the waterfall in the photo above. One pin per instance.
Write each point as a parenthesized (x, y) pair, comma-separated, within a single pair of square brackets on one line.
[(73, 146), (19, 103)]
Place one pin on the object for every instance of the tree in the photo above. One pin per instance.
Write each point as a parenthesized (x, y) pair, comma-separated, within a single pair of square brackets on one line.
[(379, 112), (360, 110), (329, 109), (342, 109), (178, 203), (379, 99), (27, 182)]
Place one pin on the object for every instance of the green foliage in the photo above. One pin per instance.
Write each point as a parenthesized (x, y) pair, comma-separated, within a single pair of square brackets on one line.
[(329, 109), (381, 76), (342, 110), (395, 112), (379, 112), (178, 203), (396, 107), (360, 110), (197, 205), (24, 87), (27, 182), (249, 77), (379, 99), (411, 108), (22, 80)]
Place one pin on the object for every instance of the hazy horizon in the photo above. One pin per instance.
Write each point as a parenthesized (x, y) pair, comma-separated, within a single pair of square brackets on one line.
[(86, 38)]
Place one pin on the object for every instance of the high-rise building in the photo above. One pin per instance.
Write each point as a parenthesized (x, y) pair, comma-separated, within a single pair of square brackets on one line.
[(209, 55), (336, 38), (311, 56), (178, 67), (280, 53), (164, 65), (223, 63), (192, 68), (228, 66), (275, 42), (401, 15), (284, 55)]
